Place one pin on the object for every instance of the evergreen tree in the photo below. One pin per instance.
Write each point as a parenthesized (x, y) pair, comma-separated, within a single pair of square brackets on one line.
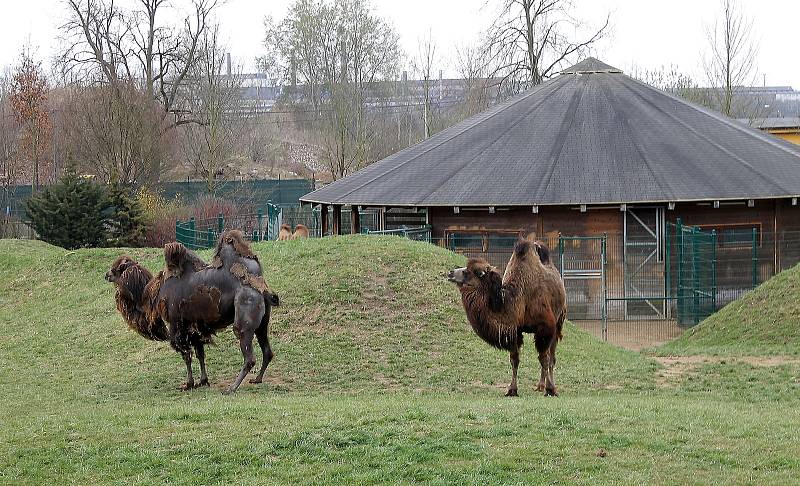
[(126, 225), (72, 213)]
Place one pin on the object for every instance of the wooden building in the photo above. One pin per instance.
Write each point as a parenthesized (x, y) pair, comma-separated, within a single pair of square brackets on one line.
[(590, 152)]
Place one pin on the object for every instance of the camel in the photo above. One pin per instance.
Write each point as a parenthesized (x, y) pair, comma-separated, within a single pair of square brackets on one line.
[(529, 298), (300, 231), (197, 300), (285, 232)]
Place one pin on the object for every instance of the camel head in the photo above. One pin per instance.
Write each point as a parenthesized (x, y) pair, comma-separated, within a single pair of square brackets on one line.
[(479, 276), (471, 275), (122, 263)]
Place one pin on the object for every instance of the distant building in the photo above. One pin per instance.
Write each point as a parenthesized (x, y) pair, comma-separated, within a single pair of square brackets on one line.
[(785, 128)]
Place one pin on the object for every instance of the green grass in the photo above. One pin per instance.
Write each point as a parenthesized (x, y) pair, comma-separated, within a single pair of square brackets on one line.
[(763, 322), (377, 379)]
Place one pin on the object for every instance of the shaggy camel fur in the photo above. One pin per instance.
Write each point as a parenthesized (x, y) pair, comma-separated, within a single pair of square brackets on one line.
[(300, 231), (529, 298), (197, 300), (285, 233)]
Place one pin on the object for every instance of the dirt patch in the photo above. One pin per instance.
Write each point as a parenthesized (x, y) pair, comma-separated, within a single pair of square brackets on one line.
[(632, 334), (675, 367)]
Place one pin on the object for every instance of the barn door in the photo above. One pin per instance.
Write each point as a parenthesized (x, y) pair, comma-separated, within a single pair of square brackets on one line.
[(644, 267)]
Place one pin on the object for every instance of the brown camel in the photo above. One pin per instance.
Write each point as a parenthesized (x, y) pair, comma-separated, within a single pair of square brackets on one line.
[(198, 300), (529, 298), (285, 233), (300, 231)]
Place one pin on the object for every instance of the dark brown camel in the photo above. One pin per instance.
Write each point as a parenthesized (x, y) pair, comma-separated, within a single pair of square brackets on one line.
[(197, 300), (529, 298)]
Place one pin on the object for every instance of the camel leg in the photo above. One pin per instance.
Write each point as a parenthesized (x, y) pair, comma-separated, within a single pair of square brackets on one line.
[(512, 388), (542, 380), (200, 351), (187, 358), (543, 346), (552, 353), (180, 342), (249, 312), (266, 349)]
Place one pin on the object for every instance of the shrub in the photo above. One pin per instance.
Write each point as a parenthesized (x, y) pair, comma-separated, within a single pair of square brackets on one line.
[(160, 214), (72, 213), (126, 226)]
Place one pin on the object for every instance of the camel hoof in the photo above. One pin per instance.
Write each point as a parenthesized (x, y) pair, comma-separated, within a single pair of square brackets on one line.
[(551, 393), (187, 386), (228, 391), (512, 392), (203, 382), (540, 387)]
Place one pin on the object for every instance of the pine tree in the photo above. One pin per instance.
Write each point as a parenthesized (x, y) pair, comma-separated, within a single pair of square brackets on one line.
[(126, 225), (72, 213)]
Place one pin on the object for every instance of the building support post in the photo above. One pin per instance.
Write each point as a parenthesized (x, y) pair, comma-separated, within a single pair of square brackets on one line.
[(337, 220), (355, 220), (323, 220)]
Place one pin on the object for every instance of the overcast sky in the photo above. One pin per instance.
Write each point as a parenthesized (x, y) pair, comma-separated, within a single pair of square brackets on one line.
[(647, 34)]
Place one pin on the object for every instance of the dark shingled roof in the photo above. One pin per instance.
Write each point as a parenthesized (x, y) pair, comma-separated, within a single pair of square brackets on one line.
[(591, 137)]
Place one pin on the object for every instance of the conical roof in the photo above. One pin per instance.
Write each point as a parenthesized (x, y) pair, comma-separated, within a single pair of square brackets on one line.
[(589, 136)]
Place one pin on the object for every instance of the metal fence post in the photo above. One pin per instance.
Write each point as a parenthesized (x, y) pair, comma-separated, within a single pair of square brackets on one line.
[(210, 238), (695, 277), (220, 222), (192, 234), (605, 288), (681, 304), (713, 271), (178, 231), (561, 254), (755, 258), (260, 224)]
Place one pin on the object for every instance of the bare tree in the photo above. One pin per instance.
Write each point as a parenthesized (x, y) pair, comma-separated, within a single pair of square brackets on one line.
[(116, 133), (339, 56), (423, 65), (9, 142), (472, 70), (29, 92), (215, 99), (530, 39), (106, 42), (731, 60)]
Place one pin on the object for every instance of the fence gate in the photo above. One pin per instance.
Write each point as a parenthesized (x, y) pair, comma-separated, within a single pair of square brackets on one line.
[(274, 221), (693, 272), (582, 262), (643, 263)]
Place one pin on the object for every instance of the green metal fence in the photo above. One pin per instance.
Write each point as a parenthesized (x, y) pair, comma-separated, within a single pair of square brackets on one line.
[(259, 226)]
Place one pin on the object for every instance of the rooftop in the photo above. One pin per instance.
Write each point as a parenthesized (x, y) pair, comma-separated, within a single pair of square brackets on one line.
[(591, 135)]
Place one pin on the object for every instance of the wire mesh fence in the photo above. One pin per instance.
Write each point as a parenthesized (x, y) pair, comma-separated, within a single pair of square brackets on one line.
[(636, 290)]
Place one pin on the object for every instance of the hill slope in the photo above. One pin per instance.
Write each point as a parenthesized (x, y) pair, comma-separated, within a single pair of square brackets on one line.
[(377, 379), (764, 321), (357, 314)]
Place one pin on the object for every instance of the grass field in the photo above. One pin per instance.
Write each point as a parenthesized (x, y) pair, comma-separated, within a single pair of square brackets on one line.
[(377, 379)]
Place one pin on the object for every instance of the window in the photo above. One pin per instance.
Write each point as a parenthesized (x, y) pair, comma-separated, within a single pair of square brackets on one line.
[(735, 236), (481, 240)]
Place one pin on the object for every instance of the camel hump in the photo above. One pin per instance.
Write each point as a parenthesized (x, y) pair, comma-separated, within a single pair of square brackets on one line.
[(543, 251), (180, 260), (237, 242)]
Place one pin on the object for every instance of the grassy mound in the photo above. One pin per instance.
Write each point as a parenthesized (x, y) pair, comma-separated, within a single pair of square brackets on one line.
[(377, 379), (764, 321), (357, 314)]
